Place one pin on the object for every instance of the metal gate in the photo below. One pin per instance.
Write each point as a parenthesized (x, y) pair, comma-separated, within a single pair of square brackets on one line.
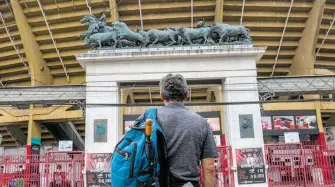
[(64, 169), (286, 164), (61, 169), (224, 174), (300, 165)]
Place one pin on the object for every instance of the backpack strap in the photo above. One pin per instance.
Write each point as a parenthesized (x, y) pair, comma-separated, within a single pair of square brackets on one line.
[(151, 114)]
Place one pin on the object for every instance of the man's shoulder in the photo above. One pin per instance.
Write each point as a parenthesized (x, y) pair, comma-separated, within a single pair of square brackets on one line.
[(186, 113)]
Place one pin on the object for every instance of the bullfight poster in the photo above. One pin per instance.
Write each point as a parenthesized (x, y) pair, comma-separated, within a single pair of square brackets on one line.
[(250, 166), (98, 167)]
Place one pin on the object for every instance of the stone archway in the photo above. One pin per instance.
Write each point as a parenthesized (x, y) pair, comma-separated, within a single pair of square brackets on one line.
[(234, 66)]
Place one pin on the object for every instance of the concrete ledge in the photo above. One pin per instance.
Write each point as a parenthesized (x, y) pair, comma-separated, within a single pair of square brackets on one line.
[(170, 53)]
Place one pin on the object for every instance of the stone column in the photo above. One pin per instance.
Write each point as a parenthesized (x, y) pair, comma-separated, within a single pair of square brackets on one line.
[(102, 119), (242, 137), (99, 99)]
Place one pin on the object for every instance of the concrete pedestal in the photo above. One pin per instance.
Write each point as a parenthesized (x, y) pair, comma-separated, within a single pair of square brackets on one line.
[(234, 65)]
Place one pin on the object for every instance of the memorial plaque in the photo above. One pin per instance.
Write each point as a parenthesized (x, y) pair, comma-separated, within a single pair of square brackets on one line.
[(246, 126), (100, 130), (250, 166)]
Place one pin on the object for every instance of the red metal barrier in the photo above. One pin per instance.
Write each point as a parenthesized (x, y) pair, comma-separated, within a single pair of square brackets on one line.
[(289, 165), (286, 164), (224, 175), (300, 165), (61, 169), (321, 167)]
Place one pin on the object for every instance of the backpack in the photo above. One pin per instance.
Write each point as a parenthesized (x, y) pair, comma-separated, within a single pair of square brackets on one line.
[(130, 165)]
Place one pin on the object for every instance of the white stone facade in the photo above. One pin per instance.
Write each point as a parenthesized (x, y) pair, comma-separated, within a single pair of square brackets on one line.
[(234, 65)]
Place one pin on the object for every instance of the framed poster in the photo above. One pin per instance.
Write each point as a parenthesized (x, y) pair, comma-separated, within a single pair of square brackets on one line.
[(306, 122), (98, 167), (302, 121), (214, 120), (266, 123), (283, 122), (250, 166), (214, 123), (128, 121), (217, 140), (246, 126), (330, 135), (127, 125)]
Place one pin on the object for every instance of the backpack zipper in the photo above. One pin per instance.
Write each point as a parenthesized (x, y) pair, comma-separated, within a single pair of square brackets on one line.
[(131, 175)]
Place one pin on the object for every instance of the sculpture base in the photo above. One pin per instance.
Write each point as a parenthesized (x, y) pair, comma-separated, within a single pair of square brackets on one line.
[(237, 44), (170, 48)]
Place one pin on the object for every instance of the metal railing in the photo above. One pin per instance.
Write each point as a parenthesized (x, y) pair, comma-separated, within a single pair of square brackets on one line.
[(300, 165), (297, 164), (223, 164), (62, 169)]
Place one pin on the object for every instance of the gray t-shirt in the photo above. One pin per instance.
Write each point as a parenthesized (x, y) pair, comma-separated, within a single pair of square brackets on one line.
[(189, 139)]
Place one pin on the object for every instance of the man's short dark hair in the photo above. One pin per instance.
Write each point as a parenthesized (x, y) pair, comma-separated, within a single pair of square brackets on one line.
[(173, 87)]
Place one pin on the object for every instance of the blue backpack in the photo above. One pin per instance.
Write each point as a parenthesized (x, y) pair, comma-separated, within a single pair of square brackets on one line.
[(138, 163)]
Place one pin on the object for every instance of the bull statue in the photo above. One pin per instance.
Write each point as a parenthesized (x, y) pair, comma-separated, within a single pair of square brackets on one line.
[(118, 35), (125, 33), (224, 32)]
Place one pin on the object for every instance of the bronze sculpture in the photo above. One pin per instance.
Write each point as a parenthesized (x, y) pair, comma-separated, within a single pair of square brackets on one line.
[(99, 35)]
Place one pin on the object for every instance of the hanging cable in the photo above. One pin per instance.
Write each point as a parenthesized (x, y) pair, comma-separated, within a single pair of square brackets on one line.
[(1, 83), (13, 44), (10, 9), (140, 7), (88, 6), (53, 41), (25, 4), (242, 13), (281, 39), (327, 33), (74, 5), (192, 14)]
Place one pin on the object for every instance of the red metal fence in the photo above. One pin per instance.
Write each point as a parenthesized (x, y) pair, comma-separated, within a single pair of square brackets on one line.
[(224, 175), (61, 169), (288, 165), (300, 165)]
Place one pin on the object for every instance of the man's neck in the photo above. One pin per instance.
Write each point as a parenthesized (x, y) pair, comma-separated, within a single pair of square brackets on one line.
[(173, 102)]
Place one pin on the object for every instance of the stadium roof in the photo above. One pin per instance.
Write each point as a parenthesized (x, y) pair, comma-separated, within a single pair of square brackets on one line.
[(265, 18)]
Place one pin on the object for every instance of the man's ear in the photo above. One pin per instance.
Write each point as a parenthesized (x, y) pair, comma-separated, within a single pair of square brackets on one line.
[(187, 96), (162, 96)]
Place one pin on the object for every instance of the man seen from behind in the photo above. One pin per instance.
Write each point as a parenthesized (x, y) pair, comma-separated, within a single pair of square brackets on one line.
[(188, 136)]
